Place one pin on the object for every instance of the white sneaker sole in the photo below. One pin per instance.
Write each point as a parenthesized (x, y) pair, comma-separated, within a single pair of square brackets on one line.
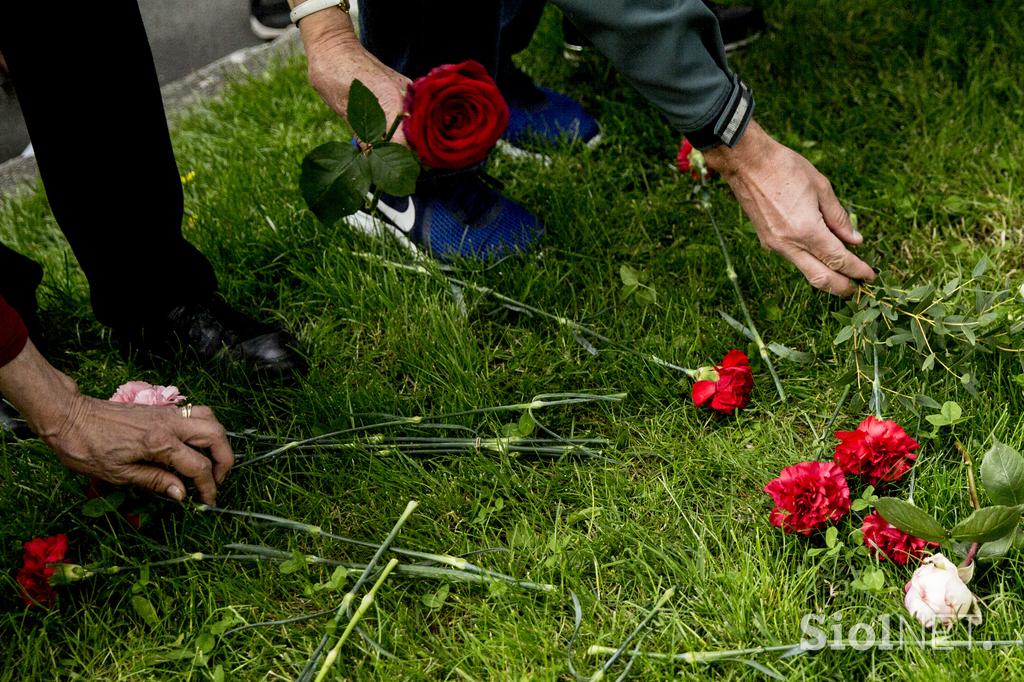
[(378, 229), (264, 32)]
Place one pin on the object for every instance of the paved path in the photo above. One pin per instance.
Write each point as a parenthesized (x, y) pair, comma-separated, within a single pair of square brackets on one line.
[(184, 34)]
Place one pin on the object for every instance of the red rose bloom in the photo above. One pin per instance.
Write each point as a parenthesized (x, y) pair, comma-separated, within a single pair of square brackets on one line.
[(886, 541), (808, 496), (725, 387), (455, 116), (34, 575), (878, 450)]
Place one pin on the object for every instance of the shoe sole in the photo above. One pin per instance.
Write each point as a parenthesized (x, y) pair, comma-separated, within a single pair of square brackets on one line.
[(264, 32), (512, 151), (378, 229)]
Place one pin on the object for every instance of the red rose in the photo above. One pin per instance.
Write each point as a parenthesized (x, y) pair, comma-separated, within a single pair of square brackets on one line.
[(808, 496), (34, 575), (886, 541), (726, 386), (455, 116), (878, 450)]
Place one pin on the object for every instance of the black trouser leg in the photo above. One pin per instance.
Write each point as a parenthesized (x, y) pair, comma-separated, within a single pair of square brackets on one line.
[(89, 92), (414, 36)]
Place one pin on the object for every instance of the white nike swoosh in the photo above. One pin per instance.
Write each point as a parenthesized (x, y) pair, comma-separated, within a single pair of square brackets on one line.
[(403, 220)]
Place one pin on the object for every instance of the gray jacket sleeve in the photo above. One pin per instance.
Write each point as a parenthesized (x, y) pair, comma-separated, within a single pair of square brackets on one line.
[(671, 51)]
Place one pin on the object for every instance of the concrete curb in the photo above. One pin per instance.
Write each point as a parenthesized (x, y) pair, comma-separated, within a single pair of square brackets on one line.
[(202, 85)]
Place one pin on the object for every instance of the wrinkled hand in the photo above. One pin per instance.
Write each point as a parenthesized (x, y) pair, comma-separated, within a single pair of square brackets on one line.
[(336, 58), (140, 444), (794, 210)]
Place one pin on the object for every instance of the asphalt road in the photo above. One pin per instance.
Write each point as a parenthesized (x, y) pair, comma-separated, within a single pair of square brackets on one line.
[(184, 35)]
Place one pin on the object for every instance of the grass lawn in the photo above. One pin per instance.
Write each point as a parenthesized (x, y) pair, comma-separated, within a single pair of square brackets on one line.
[(913, 112)]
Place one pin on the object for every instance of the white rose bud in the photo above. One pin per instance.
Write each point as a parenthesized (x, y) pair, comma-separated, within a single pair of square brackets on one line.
[(938, 595)]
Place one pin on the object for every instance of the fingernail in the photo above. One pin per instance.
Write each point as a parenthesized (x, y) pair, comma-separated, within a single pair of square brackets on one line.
[(857, 235), (176, 493)]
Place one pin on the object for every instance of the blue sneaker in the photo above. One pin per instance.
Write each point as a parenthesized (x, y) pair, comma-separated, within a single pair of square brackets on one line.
[(451, 216), (540, 115)]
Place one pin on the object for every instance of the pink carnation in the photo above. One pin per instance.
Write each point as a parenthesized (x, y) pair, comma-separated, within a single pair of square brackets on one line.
[(141, 393)]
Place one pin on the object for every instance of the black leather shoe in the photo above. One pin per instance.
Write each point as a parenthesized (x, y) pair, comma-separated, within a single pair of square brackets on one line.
[(214, 331)]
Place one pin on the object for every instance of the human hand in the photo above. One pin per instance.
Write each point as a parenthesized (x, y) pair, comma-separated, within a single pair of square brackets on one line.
[(793, 208), (123, 444), (336, 58), (140, 444)]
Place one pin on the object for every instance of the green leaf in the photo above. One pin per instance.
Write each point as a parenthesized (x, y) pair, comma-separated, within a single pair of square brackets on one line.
[(787, 353), (646, 296), (629, 276), (98, 506), (844, 335), (1002, 473), (146, 611), (929, 363), (910, 519), (951, 411), (365, 114), (437, 599), (394, 169), (930, 403), (995, 549), (334, 180), (831, 536), (981, 267), (296, 563), (986, 524), (526, 425)]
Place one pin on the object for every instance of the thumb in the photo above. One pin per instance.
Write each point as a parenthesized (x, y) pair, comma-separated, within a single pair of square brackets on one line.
[(160, 481), (836, 218)]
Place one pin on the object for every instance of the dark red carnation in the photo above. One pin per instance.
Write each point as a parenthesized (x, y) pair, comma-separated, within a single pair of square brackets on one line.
[(886, 541), (725, 387), (455, 116), (34, 575), (878, 450), (808, 496)]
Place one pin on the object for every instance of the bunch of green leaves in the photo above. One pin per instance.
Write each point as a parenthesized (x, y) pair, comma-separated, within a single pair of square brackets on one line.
[(995, 527), (337, 177), (947, 326)]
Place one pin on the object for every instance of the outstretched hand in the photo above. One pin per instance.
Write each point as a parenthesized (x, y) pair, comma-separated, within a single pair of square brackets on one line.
[(144, 445), (794, 210)]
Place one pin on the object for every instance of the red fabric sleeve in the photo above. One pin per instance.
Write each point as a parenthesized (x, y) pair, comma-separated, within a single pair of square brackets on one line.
[(13, 335)]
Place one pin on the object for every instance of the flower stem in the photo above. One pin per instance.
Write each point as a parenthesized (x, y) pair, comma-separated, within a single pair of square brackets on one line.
[(972, 491), (562, 321), (364, 604), (346, 602), (616, 653), (731, 274)]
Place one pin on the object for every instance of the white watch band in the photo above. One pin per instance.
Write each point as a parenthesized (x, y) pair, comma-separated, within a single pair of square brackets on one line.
[(304, 9)]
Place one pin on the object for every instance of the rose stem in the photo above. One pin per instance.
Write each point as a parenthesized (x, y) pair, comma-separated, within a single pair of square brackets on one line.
[(364, 604), (346, 602), (731, 274), (972, 491)]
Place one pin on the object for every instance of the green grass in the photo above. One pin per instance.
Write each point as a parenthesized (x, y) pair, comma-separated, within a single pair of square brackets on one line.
[(914, 114)]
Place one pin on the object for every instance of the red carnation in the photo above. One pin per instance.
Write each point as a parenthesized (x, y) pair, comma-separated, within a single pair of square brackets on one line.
[(683, 160), (34, 575), (726, 386), (886, 541), (808, 496), (455, 116), (878, 450)]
